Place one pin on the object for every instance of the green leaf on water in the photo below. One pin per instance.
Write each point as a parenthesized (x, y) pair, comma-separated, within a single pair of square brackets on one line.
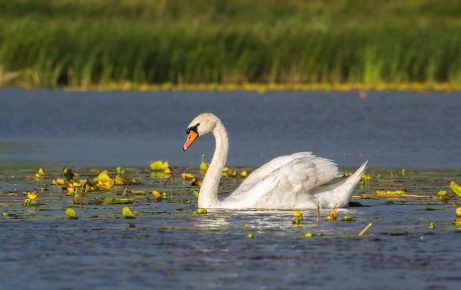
[(455, 188), (70, 213), (127, 213), (5, 213), (348, 219), (138, 192), (202, 211), (158, 165), (431, 226), (196, 193), (442, 194), (111, 200)]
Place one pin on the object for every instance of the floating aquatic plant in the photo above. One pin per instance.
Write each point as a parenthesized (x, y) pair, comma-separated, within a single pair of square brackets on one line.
[(298, 220), (297, 213), (32, 195), (196, 182), (127, 213), (332, 215), (196, 193), (391, 192), (156, 194), (159, 165), (69, 174), (366, 178), (203, 166), (442, 194), (455, 188), (70, 213), (187, 175), (39, 174), (347, 218), (202, 211), (58, 181)]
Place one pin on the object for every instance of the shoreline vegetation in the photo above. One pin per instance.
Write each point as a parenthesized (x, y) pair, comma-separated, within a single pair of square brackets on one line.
[(231, 45)]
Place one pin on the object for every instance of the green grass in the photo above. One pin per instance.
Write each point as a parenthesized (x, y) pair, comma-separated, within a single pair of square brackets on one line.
[(83, 43)]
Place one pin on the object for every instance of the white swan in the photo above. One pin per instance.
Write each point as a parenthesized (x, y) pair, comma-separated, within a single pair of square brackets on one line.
[(295, 181)]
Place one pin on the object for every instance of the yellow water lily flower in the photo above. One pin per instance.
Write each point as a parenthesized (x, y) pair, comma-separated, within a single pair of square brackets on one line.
[(232, 173), (157, 194), (70, 190), (103, 181), (32, 195), (366, 178), (203, 166), (58, 181), (458, 211), (118, 180), (196, 182), (187, 175), (167, 170), (244, 173), (298, 213), (332, 215), (39, 174), (159, 165)]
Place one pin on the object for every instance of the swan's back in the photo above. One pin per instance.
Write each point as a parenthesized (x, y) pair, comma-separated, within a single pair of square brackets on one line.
[(283, 181)]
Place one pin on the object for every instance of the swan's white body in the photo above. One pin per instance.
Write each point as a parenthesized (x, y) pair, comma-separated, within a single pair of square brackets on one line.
[(295, 181)]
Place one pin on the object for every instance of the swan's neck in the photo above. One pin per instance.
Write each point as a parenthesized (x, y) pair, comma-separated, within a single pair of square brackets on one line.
[(208, 197)]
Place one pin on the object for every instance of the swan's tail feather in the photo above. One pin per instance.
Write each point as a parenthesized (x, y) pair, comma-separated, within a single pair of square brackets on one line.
[(340, 193), (352, 182)]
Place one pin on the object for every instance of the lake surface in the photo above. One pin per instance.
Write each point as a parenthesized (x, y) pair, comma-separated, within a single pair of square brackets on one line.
[(167, 246), (390, 129)]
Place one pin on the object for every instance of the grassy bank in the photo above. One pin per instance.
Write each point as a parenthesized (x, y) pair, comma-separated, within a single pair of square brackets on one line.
[(108, 44)]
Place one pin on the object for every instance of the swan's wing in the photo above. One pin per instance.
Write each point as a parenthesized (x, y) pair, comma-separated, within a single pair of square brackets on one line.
[(291, 174)]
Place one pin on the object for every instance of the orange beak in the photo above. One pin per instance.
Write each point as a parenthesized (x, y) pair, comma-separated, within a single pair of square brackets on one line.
[(191, 137)]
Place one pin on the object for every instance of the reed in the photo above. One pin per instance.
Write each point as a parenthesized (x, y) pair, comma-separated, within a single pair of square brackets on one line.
[(84, 43)]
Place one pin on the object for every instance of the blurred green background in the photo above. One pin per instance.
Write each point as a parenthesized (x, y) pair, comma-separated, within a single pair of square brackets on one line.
[(83, 43)]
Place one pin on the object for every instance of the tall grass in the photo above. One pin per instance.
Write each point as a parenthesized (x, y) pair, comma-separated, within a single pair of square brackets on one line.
[(82, 43)]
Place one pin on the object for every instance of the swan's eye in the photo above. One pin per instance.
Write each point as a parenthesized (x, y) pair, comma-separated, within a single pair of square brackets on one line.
[(193, 129)]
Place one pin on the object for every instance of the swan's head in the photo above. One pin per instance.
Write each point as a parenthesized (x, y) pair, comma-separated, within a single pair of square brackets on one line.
[(201, 125)]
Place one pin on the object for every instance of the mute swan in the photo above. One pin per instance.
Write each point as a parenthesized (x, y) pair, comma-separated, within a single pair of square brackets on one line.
[(295, 181)]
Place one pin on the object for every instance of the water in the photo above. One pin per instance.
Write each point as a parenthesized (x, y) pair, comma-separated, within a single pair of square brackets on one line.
[(167, 246), (391, 129)]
